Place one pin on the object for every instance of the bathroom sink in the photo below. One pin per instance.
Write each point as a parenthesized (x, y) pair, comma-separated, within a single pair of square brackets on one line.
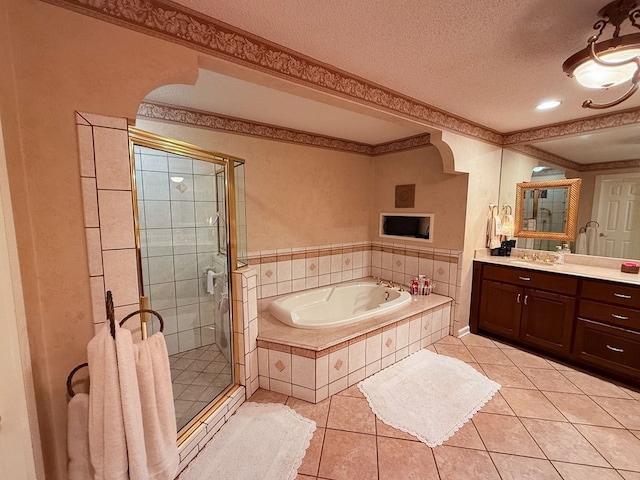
[(531, 263)]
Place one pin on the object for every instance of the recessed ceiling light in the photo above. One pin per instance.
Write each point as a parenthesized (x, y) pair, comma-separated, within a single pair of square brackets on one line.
[(548, 104)]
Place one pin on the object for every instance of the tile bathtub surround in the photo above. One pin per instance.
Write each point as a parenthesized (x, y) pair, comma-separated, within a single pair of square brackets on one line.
[(290, 270), (245, 327), (511, 437), (314, 364)]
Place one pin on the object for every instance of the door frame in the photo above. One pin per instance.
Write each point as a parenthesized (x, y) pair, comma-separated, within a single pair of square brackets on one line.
[(19, 432)]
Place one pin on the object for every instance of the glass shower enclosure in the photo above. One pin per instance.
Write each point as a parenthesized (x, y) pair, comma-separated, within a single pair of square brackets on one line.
[(185, 199)]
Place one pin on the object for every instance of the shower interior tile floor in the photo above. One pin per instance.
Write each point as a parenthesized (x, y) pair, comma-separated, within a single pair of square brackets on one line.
[(547, 422), (198, 376)]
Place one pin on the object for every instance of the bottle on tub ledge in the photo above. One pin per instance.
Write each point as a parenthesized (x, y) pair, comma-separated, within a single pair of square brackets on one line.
[(421, 285)]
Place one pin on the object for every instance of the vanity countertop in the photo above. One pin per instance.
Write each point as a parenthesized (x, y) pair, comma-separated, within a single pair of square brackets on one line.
[(568, 268)]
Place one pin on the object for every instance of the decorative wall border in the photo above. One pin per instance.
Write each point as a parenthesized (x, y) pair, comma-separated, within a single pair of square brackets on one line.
[(575, 127), (178, 24), (214, 121), (544, 156), (564, 162)]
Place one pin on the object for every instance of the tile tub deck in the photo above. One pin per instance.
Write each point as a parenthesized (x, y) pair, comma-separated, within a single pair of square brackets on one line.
[(313, 364)]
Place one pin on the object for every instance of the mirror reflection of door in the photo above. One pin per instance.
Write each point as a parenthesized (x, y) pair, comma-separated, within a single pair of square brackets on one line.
[(615, 208), (184, 275)]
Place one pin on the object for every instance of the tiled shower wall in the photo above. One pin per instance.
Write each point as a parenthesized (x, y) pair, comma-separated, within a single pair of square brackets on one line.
[(178, 238), (291, 270)]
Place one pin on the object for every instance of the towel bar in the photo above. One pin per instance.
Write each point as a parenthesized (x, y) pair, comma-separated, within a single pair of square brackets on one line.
[(112, 327)]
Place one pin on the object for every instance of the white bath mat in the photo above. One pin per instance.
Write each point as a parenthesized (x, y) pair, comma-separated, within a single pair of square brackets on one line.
[(427, 395), (262, 441)]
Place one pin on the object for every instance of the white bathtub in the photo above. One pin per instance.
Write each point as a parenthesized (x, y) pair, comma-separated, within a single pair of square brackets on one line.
[(336, 306)]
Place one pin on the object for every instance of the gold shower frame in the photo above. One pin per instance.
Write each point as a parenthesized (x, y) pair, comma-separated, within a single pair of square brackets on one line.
[(151, 140)]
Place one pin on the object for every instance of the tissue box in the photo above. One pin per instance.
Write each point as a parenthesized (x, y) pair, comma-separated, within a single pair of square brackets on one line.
[(630, 267)]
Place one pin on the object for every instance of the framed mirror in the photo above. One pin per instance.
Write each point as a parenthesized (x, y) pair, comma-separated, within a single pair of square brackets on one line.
[(547, 210)]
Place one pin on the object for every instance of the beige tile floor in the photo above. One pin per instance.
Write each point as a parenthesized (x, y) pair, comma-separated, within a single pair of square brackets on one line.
[(547, 422), (198, 376)]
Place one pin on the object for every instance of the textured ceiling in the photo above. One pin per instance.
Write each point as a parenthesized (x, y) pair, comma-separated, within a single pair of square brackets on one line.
[(488, 61)]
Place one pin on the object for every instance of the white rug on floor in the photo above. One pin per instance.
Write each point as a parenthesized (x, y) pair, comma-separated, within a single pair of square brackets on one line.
[(261, 441), (427, 395)]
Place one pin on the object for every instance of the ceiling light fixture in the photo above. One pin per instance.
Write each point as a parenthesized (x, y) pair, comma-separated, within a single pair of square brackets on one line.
[(177, 179), (609, 62), (548, 104)]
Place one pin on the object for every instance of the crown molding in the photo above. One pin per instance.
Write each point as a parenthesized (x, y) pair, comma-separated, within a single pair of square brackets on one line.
[(176, 23), (565, 162), (544, 156), (214, 121), (573, 127)]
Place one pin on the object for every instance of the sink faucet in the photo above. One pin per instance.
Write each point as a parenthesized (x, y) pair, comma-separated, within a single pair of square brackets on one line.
[(525, 255)]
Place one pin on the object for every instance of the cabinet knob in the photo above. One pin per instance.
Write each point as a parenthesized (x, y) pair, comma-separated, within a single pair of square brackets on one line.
[(526, 279), (619, 317), (518, 299), (615, 349), (526, 297)]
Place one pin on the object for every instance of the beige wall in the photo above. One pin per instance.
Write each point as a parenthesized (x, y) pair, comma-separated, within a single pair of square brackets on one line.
[(482, 162), (444, 195), (64, 62), (296, 196), (516, 168)]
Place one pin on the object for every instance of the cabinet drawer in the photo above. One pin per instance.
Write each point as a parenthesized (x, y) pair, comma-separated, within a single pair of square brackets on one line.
[(532, 278), (611, 314), (609, 347), (626, 295)]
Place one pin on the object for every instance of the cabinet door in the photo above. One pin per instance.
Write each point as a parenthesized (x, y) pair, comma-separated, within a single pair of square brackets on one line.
[(500, 305), (547, 320)]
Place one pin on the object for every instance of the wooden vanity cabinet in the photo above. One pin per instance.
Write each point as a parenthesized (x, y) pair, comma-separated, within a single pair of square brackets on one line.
[(590, 323), (608, 327), (529, 306)]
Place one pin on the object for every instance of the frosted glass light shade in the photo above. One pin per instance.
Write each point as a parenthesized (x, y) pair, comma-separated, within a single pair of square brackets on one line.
[(593, 75)]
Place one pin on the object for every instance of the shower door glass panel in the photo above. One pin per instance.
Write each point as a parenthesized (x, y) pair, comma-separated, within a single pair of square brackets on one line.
[(184, 273)]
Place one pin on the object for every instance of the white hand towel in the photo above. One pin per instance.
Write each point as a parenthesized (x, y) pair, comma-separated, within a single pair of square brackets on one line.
[(210, 281), (581, 243), (158, 411), (131, 406), (592, 240), (107, 441), (494, 227), (79, 467)]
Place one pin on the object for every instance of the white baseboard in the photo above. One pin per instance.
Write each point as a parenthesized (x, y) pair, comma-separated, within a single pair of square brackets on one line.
[(464, 331)]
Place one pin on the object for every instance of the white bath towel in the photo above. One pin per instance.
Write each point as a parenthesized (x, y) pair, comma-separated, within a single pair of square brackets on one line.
[(494, 230), (79, 467), (107, 441), (592, 240), (581, 243), (131, 406), (158, 411)]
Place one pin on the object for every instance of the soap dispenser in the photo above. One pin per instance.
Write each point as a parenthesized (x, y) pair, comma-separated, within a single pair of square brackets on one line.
[(559, 256)]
